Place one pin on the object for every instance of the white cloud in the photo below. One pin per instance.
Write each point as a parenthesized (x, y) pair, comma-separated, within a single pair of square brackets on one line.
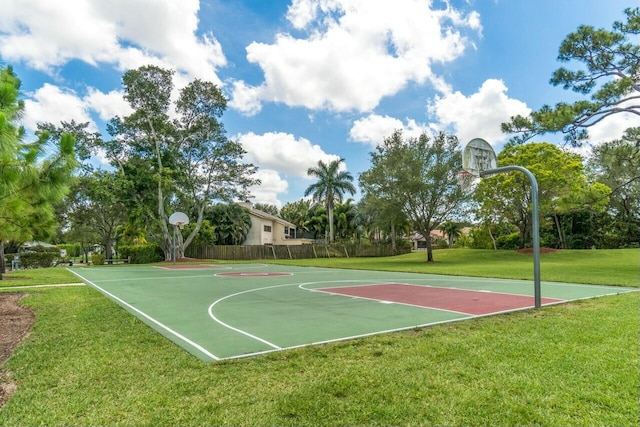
[(53, 105), (271, 184), (374, 128), (283, 152), (125, 33), (478, 115), (356, 53), (107, 105), (612, 127)]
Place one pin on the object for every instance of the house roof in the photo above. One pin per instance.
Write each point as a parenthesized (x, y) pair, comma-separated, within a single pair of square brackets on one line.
[(263, 215)]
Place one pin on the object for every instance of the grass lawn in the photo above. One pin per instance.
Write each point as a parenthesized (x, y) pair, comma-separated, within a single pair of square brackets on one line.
[(87, 361), (598, 267)]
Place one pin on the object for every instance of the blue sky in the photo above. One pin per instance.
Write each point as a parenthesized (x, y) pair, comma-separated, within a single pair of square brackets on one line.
[(306, 80)]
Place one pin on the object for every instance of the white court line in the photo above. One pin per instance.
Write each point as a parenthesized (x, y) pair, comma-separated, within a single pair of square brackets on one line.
[(151, 319), (60, 285)]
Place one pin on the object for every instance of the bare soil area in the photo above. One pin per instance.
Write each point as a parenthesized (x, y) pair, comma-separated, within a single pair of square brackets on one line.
[(15, 323)]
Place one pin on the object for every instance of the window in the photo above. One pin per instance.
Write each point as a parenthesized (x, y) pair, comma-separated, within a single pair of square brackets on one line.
[(267, 229)]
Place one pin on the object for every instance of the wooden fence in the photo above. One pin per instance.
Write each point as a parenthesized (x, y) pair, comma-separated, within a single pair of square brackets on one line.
[(335, 250)]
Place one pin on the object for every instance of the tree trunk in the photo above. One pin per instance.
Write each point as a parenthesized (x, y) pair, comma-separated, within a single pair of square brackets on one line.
[(493, 239), (330, 212), (2, 266), (393, 237), (563, 244), (429, 249)]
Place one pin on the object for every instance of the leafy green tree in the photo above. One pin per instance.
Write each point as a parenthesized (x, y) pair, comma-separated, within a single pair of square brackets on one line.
[(452, 230), (344, 218), (507, 197), (231, 223), (189, 161), (318, 221), (297, 213), (610, 74), (331, 185), (419, 175), (34, 177), (616, 164), (267, 208), (96, 203)]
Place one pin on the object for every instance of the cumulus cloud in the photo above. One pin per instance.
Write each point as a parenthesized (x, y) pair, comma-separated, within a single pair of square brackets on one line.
[(283, 152), (373, 128), (123, 33), (107, 105), (271, 185), (355, 53), (478, 115), (52, 104)]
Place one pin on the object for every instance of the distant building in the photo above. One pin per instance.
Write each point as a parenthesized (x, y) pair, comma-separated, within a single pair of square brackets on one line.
[(418, 241), (267, 229)]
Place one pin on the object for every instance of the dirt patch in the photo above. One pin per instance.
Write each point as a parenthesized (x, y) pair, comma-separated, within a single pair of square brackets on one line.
[(542, 250), (15, 323)]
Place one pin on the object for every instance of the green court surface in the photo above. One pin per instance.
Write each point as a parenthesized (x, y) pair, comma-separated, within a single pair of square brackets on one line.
[(217, 311)]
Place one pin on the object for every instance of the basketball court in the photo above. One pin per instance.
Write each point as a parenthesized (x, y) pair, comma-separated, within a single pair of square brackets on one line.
[(223, 311)]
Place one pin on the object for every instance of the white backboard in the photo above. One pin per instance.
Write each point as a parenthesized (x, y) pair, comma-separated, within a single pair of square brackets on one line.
[(478, 155)]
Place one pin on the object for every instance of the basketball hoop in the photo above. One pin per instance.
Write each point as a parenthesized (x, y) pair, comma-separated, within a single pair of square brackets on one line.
[(178, 220), (466, 180), (478, 156)]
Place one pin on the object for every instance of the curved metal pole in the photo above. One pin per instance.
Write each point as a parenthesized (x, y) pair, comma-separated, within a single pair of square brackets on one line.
[(535, 224)]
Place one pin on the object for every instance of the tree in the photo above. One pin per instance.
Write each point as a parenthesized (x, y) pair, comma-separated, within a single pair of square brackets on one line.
[(616, 164), (330, 187), (97, 204), (267, 208), (453, 230), (297, 213), (33, 176), (344, 217), (611, 75), (561, 182), (419, 176), (189, 161), (231, 223)]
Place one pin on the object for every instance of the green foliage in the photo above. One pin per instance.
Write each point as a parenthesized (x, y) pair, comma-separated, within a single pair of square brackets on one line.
[(267, 208), (610, 73), (418, 177), (510, 241), (33, 176), (561, 182), (97, 259), (330, 187), (142, 254), (38, 259), (231, 223), (184, 164), (73, 249), (298, 214)]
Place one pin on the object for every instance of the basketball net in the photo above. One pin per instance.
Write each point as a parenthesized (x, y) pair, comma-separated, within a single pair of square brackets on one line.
[(466, 181)]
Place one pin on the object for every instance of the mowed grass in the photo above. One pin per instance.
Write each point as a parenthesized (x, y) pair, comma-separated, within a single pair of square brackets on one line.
[(88, 362), (598, 267)]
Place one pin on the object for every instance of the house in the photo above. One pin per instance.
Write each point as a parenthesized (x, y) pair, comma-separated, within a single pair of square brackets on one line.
[(418, 241), (268, 229)]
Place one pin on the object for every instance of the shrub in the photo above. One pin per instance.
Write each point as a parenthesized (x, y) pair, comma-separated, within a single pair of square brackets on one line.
[(142, 254), (509, 241), (37, 259), (97, 259)]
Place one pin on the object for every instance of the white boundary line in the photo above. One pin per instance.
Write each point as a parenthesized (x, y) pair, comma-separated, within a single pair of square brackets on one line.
[(151, 319), (59, 285)]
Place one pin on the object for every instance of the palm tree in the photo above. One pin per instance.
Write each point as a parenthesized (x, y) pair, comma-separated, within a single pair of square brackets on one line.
[(453, 230), (331, 185)]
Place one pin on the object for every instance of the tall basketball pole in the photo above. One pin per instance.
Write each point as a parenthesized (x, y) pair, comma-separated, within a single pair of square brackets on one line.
[(535, 223)]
